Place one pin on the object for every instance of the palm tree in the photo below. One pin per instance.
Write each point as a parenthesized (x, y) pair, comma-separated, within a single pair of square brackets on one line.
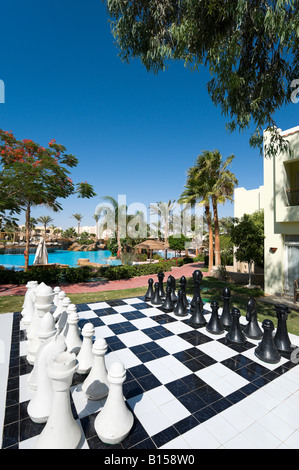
[(163, 210), (78, 217), (222, 183), (96, 218), (197, 191), (45, 220), (210, 180), (118, 216)]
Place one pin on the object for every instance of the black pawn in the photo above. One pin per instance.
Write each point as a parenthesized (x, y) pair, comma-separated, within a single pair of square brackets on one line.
[(161, 288), (197, 278), (180, 309), (235, 334), (226, 316), (197, 317), (172, 283), (150, 291), (214, 325), (156, 299), (266, 350), (252, 329), (168, 305), (183, 282), (281, 339)]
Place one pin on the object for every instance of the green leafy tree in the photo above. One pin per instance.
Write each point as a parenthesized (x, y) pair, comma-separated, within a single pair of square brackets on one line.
[(250, 48), (248, 237), (32, 175), (178, 243)]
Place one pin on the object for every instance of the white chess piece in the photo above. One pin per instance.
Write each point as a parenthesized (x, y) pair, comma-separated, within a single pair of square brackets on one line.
[(29, 309), (96, 385), (46, 331), (39, 406), (30, 285), (72, 338), (114, 422), (85, 356), (70, 308), (61, 430), (62, 322), (55, 300), (59, 308), (43, 302)]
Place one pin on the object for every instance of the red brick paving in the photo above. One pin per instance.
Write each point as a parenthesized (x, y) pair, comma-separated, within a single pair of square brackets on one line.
[(101, 286)]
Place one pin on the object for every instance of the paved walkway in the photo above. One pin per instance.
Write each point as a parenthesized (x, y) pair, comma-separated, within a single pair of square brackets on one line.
[(100, 286)]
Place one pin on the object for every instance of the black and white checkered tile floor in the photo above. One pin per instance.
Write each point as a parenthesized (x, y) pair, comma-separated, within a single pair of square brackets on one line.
[(186, 388)]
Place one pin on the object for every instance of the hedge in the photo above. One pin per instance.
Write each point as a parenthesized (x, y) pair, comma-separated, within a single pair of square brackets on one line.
[(84, 273)]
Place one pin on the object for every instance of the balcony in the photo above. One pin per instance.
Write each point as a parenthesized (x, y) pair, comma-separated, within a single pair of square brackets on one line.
[(293, 196)]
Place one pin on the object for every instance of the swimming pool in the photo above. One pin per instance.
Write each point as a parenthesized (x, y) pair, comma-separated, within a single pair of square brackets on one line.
[(59, 256)]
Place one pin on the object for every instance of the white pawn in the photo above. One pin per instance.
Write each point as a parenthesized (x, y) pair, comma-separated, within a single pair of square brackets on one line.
[(55, 300), (39, 406), (44, 298), (62, 322), (72, 338), (61, 430), (69, 309), (46, 331), (59, 308), (96, 385), (85, 356), (114, 422)]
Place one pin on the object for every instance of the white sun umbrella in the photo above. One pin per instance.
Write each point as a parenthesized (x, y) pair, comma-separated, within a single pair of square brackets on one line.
[(41, 255)]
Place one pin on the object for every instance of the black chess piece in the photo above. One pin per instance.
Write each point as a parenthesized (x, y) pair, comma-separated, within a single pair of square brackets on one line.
[(161, 288), (214, 325), (172, 282), (150, 291), (168, 305), (197, 278), (183, 282), (235, 334), (266, 350), (180, 309), (156, 298), (226, 316), (197, 317), (281, 338), (252, 329)]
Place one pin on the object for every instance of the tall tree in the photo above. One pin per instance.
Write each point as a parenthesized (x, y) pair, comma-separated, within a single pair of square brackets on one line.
[(119, 214), (32, 175), (222, 183), (45, 220), (210, 181), (250, 48), (164, 211), (197, 191), (78, 217)]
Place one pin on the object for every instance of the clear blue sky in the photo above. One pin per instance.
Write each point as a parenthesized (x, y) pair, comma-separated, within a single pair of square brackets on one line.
[(134, 133)]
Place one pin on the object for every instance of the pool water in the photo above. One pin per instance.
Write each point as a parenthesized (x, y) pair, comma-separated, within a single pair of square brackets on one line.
[(60, 256)]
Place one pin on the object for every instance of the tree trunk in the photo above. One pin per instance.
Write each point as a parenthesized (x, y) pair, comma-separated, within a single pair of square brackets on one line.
[(211, 248), (249, 273), (216, 229), (27, 226)]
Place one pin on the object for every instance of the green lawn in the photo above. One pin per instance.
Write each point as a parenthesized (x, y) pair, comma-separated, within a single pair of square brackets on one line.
[(211, 289)]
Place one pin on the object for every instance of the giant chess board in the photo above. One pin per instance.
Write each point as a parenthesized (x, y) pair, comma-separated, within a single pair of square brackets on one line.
[(187, 388)]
